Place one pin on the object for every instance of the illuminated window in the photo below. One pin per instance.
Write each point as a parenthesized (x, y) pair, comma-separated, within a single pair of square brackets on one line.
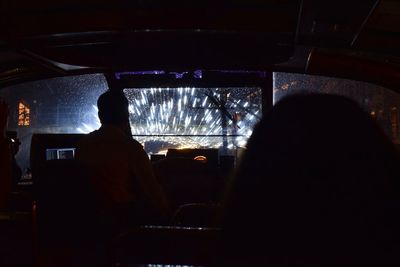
[(24, 114)]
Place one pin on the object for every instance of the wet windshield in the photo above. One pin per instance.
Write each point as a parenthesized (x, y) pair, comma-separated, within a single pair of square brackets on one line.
[(220, 118), (163, 118)]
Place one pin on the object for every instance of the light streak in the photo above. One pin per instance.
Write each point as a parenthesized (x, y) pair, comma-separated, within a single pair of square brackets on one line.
[(204, 101)]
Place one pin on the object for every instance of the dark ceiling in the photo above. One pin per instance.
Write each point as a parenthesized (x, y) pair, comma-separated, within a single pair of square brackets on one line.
[(48, 38)]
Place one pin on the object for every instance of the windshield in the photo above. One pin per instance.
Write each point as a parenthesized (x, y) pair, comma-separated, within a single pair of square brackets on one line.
[(220, 118), (163, 118)]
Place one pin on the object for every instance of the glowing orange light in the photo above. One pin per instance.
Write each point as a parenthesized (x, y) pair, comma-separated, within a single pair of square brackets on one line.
[(202, 159), (24, 114)]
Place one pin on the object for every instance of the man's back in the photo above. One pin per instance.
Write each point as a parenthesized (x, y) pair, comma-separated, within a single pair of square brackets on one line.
[(109, 155), (120, 169)]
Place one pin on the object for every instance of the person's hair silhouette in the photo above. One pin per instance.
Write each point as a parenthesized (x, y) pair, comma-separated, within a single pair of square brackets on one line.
[(318, 184), (113, 108)]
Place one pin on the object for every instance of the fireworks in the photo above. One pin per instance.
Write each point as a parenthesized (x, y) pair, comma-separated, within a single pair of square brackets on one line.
[(190, 117)]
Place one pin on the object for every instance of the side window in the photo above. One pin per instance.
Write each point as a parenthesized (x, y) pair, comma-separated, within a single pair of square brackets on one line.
[(381, 103), (57, 105)]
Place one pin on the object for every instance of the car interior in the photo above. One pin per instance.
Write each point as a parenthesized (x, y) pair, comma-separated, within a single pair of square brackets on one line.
[(199, 76)]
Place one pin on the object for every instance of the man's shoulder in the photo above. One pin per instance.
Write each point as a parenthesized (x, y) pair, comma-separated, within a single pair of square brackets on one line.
[(87, 138), (103, 133), (109, 136), (134, 144)]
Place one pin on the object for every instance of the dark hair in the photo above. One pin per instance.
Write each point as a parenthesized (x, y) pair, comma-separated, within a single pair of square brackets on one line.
[(319, 180), (113, 108)]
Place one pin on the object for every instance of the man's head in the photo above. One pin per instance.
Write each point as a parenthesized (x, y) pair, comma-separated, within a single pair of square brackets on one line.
[(113, 108)]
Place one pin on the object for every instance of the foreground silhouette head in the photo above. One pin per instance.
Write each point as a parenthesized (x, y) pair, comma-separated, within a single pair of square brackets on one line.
[(319, 181)]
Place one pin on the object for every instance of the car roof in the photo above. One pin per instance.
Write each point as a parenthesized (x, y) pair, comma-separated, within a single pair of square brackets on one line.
[(45, 38)]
